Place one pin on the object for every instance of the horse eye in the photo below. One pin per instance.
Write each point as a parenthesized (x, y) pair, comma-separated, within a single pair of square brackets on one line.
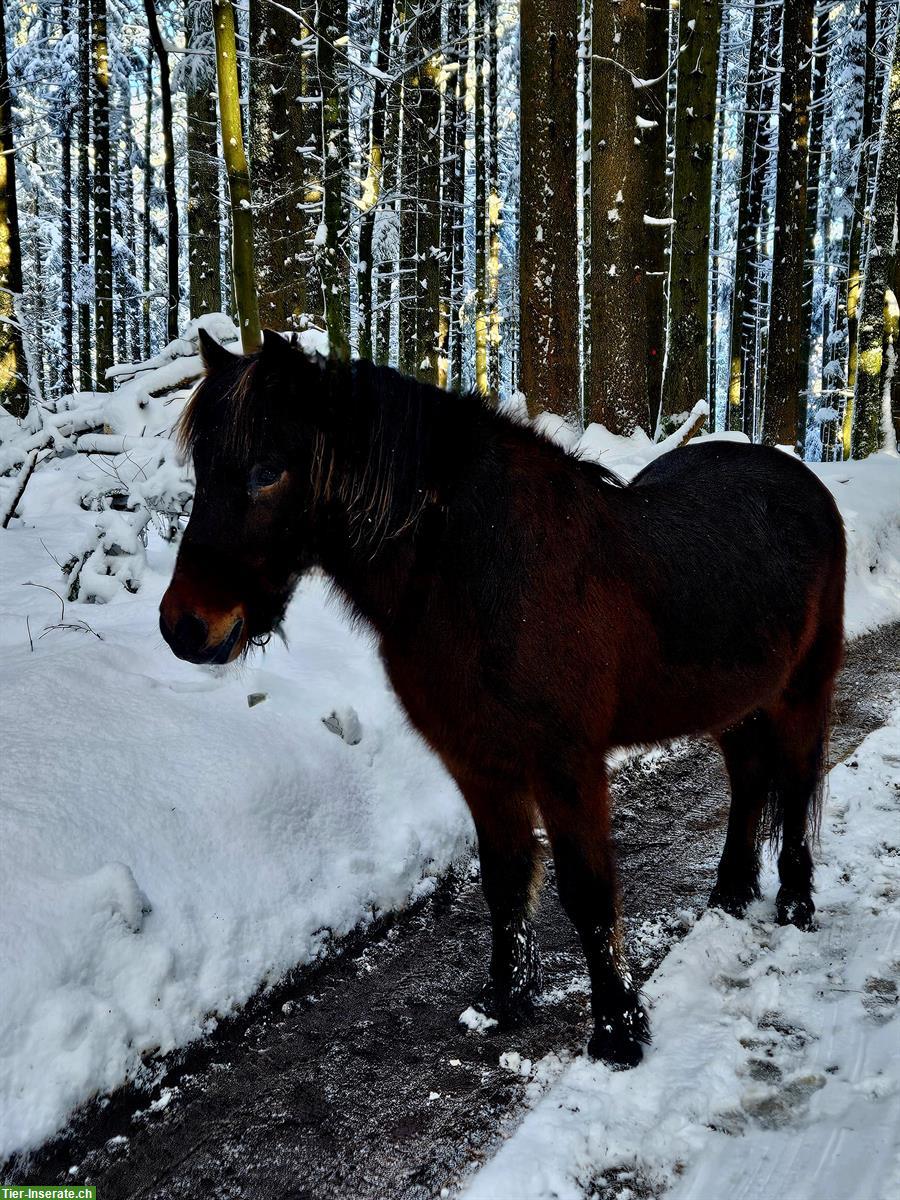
[(263, 477)]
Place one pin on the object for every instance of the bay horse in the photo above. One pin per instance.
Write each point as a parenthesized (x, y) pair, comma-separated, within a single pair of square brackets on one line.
[(532, 613)]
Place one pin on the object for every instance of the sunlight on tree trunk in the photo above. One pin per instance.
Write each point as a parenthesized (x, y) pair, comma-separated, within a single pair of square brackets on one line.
[(13, 386), (238, 177)]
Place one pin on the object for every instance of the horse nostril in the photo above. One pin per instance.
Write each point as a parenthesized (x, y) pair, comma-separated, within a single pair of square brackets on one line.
[(191, 632)]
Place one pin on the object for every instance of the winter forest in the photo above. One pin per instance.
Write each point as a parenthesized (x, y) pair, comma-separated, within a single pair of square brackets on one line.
[(618, 210), (307, 665)]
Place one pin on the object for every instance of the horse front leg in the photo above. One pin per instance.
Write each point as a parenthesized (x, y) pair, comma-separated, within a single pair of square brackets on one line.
[(510, 878), (578, 823)]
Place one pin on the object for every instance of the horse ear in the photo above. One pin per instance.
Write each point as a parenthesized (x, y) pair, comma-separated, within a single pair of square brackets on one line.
[(274, 345), (215, 357)]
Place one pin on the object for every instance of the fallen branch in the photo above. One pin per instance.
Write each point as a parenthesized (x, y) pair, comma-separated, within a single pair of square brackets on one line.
[(21, 483)]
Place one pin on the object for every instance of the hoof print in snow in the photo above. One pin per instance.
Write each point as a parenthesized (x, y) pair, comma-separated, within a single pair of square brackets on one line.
[(477, 1022), (881, 999), (346, 724)]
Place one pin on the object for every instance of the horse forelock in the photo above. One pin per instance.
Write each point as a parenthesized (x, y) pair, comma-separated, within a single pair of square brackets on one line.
[(228, 411)]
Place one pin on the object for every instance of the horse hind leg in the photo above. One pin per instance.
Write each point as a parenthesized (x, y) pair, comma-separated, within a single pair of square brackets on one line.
[(748, 752), (800, 723)]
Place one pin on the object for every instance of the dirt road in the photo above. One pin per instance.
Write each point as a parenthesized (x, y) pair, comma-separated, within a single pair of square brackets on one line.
[(354, 1080)]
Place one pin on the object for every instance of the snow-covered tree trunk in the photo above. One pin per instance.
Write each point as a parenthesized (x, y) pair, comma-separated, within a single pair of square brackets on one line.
[(881, 252), (330, 251), (458, 196), (784, 401), (203, 221), (481, 198), (755, 152), (147, 190), (549, 371), (168, 132), (494, 207), (370, 199), (619, 204), (85, 357), (102, 193), (687, 347), (452, 167), (238, 176), (408, 301), (658, 198), (67, 329), (428, 225), (13, 382)]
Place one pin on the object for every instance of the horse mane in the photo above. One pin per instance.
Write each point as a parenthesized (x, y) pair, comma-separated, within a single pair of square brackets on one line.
[(382, 445)]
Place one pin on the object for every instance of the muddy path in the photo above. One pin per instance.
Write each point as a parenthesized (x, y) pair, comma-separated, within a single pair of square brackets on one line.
[(354, 1079)]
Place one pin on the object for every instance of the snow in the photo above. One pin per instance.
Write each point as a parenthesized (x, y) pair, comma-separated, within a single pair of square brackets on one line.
[(184, 835), (775, 1066)]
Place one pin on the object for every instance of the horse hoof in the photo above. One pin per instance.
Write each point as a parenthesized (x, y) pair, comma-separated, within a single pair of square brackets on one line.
[(795, 910), (506, 1009), (733, 902), (615, 1047)]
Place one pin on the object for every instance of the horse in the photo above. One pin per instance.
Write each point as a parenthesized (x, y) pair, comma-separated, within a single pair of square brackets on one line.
[(532, 613)]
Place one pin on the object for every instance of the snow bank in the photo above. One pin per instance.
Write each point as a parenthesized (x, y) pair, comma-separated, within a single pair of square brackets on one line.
[(775, 1067), (175, 848)]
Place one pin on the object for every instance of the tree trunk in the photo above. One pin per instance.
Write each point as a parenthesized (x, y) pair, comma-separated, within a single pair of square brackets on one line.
[(745, 297), (85, 357), (784, 401), (687, 349), (372, 185), (619, 202), (67, 329), (204, 225), (408, 274), (283, 112), (238, 177), (549, 371), (331, 253), (453, 163), (165, 96), (458, 200), (482, 383), (494, 208), (146, 261), (428, 225), (102, 192), (386, 281), (716, 230), (868, 401), (659, 199), (13, 381), (869, 13)]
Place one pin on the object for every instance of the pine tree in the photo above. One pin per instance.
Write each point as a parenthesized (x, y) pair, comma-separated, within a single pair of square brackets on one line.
[(67, 328), (203, 221), (238, 176), (784, 412), (687, 347), (549, 370), (372, 185), (102, 193), (619, 203), (881, 253), (331, 253), (13, 383), (165, 96), (659, 201), (85, 357)]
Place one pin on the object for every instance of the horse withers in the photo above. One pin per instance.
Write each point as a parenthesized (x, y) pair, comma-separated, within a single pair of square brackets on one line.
[(532, 613)]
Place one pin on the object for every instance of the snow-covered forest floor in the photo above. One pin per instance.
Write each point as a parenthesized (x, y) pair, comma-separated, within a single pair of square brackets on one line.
[(177, 847), (775, 1068)]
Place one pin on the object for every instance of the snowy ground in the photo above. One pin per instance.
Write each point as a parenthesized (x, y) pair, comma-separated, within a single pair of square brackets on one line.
[(775, 1068), (176, 848)]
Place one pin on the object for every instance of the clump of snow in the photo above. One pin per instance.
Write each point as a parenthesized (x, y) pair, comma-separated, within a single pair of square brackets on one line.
[(776, 1053), (476, 1021)]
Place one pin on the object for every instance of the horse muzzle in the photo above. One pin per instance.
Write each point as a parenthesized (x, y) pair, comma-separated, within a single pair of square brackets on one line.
[(199, 635)]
